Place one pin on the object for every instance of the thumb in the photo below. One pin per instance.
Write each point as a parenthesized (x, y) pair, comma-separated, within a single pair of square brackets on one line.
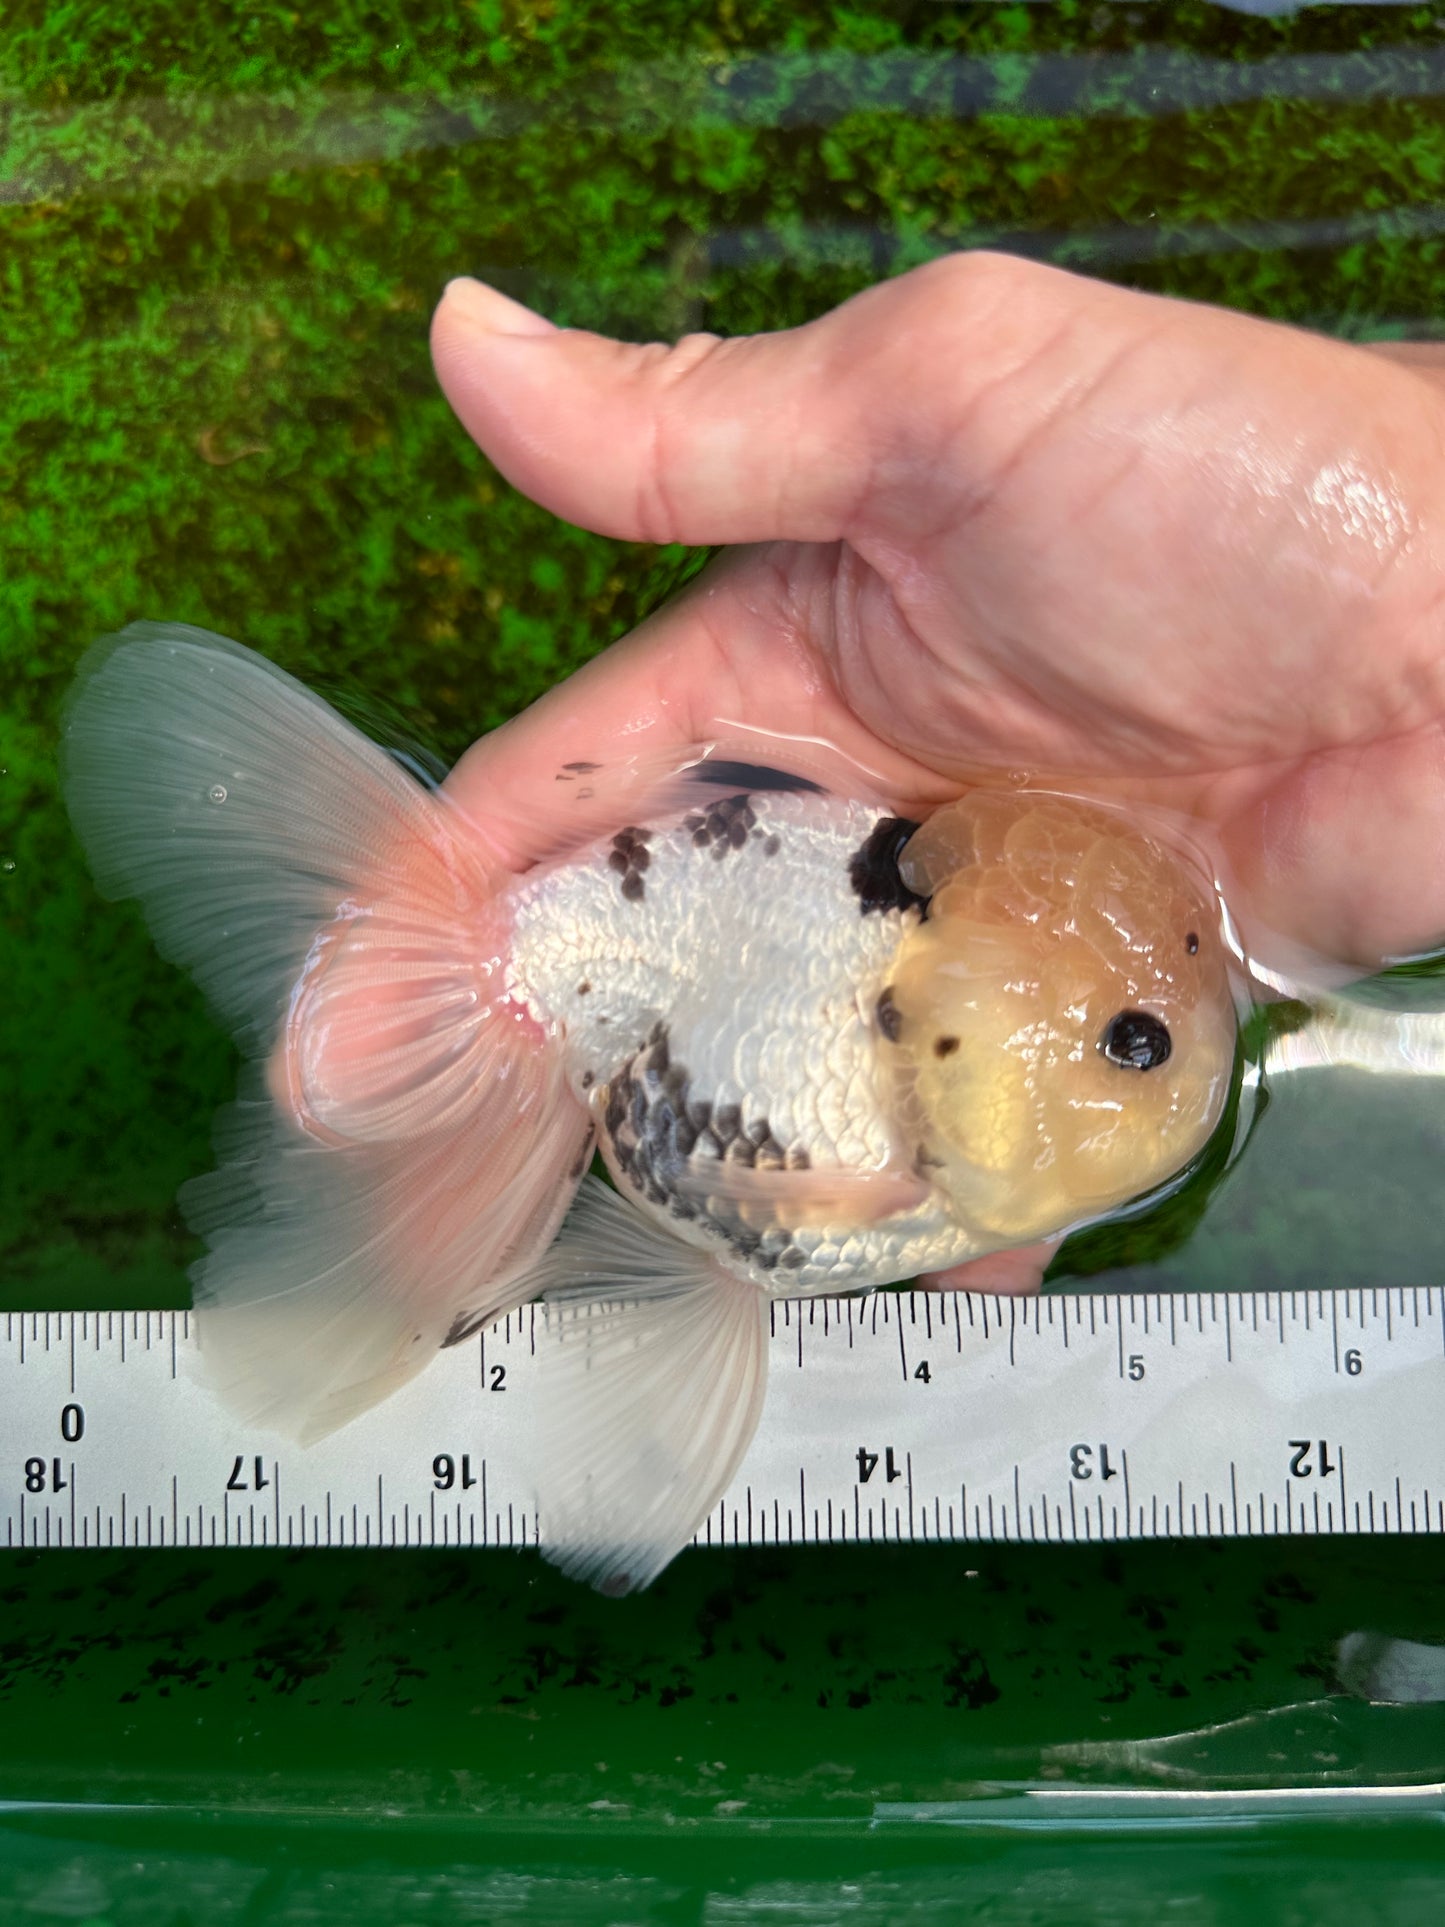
[(889, 415), (885, 410), (711, 440)]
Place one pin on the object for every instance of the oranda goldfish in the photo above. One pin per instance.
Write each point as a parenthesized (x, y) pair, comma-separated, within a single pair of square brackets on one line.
[(820, 1048)]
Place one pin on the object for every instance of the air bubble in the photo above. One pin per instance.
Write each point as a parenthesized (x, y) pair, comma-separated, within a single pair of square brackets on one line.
[(217, 792), (7, 864)]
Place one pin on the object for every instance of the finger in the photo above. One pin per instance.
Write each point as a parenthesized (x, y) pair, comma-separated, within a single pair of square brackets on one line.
[(733, 661), (789, 435), (1346, 852), (1424, 357), (645, 442)]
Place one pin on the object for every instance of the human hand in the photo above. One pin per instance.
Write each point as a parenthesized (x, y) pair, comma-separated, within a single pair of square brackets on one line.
[(1006, 518)]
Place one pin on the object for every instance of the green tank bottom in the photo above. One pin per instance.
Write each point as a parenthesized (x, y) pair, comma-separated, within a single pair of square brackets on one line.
[(1014, 1734)]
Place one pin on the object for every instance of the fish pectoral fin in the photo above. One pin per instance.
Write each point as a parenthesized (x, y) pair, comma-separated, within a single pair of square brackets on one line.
[(814, 1197), (654, 1378)]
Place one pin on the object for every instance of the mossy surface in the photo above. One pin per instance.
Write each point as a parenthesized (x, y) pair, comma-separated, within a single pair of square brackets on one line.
[(221, 233)]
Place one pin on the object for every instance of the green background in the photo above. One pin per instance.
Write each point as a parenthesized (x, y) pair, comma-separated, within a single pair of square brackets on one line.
[(221, 233)]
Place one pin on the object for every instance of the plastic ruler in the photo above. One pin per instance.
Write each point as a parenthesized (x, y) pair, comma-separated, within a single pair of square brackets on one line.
[(901, 1416)]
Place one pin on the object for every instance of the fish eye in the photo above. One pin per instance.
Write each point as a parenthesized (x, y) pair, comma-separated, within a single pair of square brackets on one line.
[(1136, 1041)]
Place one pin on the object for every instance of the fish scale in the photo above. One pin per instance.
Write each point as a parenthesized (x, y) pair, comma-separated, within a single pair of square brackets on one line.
[(760, 966), (735, 951)]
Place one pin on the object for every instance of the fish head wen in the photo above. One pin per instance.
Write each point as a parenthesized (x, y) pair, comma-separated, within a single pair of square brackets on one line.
[(1066, 1028)]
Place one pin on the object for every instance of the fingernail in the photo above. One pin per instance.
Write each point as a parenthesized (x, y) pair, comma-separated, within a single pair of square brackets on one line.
[(498, 314)]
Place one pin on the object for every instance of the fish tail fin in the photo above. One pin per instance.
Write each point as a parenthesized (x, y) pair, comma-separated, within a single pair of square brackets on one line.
[(406, 1143), (656, 1367)]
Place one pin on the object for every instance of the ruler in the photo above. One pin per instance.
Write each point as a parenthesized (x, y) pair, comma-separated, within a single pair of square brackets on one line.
[(904, 1416)]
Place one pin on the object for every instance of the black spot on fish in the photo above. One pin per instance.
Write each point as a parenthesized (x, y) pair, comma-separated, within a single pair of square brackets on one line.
[(723, 826), (659, 1129), (1191, 943), (772, 844), (589, 1078), (873, 869), (584, 1157), (1136, 1040), (584, 989), (581, 769), (630, 857), (944, 1046), (889, 1016)]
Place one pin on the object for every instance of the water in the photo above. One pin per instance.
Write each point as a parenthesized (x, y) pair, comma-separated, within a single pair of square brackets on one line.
[(220, 253)]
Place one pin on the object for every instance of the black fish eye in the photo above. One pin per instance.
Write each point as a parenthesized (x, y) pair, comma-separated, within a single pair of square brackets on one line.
[(1136, 1041)]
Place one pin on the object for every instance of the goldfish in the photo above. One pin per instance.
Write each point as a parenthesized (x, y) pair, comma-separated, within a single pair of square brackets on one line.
[(821, 1048)]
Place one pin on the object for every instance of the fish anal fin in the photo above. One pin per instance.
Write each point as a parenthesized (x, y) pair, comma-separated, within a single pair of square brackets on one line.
[(655, 1373)]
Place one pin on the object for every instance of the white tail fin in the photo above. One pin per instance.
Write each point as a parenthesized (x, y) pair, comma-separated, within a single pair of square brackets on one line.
[(655, 1373), (329, 905)]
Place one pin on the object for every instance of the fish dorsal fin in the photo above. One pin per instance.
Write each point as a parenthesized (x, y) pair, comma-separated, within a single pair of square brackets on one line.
[(654, 1378)]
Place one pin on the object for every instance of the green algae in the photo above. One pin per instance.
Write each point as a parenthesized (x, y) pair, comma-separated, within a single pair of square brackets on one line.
[(222, 236)]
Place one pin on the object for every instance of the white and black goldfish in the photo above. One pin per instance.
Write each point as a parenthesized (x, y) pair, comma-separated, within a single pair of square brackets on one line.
[(820, 1049)]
